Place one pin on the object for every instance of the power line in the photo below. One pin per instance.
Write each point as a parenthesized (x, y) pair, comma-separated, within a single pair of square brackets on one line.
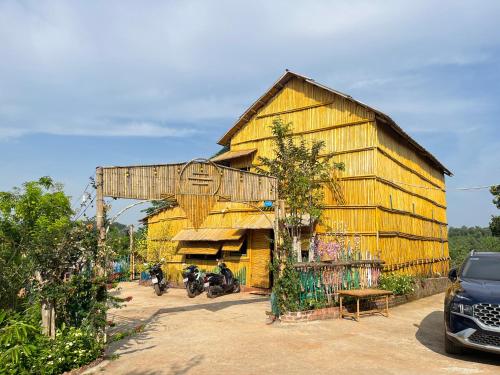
[(82, 211), (436, 188)]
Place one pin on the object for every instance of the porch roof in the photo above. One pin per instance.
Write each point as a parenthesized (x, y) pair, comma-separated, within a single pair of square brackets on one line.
[(209, 234)]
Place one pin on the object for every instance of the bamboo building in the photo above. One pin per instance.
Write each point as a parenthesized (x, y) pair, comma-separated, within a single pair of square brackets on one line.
[(391, 194)]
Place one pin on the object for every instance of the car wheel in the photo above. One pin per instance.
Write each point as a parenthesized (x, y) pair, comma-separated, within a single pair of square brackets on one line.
[(450, 347)]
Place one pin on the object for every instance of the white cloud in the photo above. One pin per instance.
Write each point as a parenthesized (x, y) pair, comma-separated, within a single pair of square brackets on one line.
[(173, 63)]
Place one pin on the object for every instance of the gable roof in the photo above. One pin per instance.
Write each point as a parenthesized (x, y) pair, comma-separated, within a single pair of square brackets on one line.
[(280, 83)]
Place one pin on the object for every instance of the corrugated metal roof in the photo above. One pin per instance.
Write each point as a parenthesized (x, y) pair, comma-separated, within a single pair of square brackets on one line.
[(201, 247), (232, 245), (233, 155), (280, 83), (209, 234)]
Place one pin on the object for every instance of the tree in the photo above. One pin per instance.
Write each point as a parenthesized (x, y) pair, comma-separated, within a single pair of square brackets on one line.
[(495, 220), (301, 173), (463, 240), (41, 245)]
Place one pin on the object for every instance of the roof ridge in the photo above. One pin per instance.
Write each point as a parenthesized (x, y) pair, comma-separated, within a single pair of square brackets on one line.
[(284, 78)]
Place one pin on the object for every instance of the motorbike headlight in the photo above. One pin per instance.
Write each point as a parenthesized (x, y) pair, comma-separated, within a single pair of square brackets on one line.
[(462, 308)]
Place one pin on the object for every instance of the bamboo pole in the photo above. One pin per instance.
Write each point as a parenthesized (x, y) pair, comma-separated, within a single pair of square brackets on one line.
[(101, 239)]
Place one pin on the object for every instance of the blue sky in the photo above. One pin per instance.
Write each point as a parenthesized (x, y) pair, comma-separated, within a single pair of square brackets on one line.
[(115, 83)]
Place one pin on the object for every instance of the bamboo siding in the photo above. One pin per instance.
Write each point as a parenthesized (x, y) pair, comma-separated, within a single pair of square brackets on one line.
[(389, 142), (393, 196), (165, 181)]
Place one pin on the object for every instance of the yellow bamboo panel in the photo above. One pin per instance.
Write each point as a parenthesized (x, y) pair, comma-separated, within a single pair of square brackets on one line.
[(390, 143), (392, 197), (359, 220), (407, 179), (209, 234), (338, 139), (260, 257), (232, 245), (199, 247), (397, 222)]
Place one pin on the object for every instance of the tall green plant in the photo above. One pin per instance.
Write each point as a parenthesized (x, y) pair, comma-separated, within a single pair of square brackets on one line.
[(301, 171)]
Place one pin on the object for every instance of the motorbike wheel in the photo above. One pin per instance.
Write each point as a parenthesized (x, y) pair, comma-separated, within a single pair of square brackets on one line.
[(210, 293), (191, 290), (158, 290), (236, 286)]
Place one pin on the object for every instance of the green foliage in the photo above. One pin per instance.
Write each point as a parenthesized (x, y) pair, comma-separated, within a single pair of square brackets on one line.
[(300, 170), (25, 350), (463, 240), (495, 226), (34, 223), (495, 191), (118, 240), (47, 257), (157, 206), (72, 348), (398, 284), (287, 286)]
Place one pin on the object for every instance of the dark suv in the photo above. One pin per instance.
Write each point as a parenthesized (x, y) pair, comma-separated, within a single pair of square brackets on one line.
[(472, 305)]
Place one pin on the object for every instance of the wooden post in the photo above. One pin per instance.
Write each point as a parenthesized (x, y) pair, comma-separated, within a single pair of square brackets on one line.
[(132, 260), (340, 309), (101, 239), (357, 309)]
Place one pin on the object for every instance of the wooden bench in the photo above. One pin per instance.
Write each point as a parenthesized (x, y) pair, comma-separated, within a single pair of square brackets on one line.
[(364, 294)]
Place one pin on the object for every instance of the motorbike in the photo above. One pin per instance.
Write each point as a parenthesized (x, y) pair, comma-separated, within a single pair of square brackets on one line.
[(194, 281), (158, 279), (221, 283)]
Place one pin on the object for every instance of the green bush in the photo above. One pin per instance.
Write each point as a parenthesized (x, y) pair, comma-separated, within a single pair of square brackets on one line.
[(398, 284), (72, 348), (24, 349)]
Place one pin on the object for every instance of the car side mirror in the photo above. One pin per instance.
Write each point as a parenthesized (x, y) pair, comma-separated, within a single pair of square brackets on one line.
[(453, 275)]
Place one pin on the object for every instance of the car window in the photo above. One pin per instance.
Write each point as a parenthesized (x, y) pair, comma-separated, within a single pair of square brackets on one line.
[(484, 268)]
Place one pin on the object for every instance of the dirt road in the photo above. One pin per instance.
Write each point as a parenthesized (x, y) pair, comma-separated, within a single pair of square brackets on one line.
[(228, 336)]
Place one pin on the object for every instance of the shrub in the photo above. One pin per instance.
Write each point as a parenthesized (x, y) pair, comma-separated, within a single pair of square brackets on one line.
[(398, 284), (24, 349), (72, 348)]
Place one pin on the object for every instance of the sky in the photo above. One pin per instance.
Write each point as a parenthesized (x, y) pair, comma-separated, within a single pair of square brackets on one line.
[(88, 83)]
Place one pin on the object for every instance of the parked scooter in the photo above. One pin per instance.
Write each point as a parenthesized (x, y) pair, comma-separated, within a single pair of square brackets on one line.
[(194, 281), (221, 283), (157, 278)]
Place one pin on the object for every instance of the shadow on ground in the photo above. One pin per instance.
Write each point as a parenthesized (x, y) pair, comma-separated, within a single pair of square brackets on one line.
[(431, 334), (125, 345)]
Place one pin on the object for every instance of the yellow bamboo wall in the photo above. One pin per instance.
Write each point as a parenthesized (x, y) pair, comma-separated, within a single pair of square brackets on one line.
[(396, 218), (412, 207), (167, 223)]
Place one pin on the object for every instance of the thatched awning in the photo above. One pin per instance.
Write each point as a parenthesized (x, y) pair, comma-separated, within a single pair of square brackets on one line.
[(209, 234), (233, 155), (261, 221), (199, 247), (232, 245)]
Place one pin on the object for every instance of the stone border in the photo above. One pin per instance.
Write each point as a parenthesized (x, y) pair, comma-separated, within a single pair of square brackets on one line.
[(423, 288), (310, 315)]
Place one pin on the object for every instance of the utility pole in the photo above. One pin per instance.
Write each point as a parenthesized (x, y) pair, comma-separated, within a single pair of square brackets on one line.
[(132, 259)]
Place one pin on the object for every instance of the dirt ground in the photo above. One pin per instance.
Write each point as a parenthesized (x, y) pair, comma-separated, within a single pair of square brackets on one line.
[(228, 335)]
